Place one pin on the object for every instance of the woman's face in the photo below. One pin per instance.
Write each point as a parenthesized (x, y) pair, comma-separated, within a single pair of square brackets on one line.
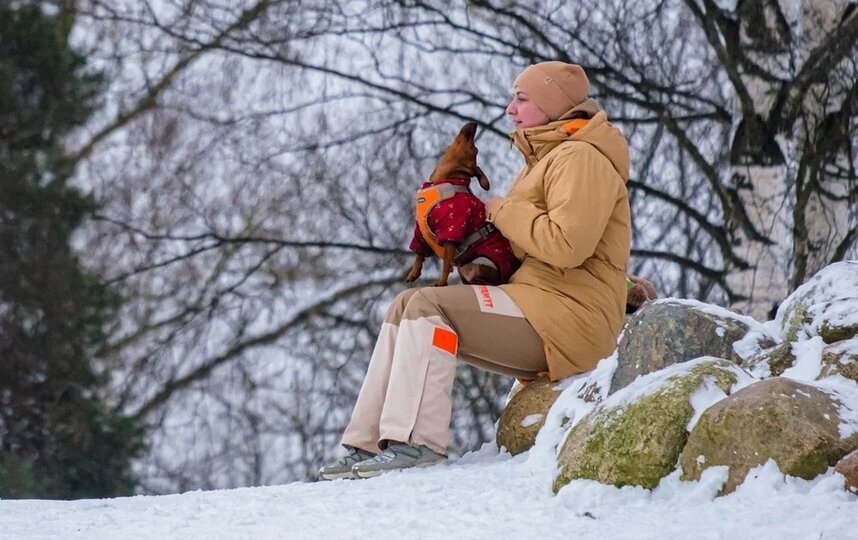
[(524, 113)]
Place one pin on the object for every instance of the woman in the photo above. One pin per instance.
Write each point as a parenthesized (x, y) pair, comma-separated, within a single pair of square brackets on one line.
[(567, 218)]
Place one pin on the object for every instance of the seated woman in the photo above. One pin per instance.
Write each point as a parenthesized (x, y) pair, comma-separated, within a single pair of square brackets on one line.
[(567, 218)]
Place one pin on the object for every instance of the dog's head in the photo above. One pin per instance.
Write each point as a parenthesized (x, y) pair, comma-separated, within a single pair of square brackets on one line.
[(460, 159)]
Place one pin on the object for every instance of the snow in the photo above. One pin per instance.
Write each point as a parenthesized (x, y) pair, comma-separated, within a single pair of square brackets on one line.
[(485, 494), (844, 391), (490, 494), (753, 341), (531, 419), (704, 397), (808, 360), (831, 297), (650, 383)]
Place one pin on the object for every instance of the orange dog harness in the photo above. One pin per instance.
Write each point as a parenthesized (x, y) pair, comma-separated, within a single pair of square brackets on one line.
[(427, 199)]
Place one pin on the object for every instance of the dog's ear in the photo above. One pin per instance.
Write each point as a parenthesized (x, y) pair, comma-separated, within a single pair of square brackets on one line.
[(482, 179), (469, 131)]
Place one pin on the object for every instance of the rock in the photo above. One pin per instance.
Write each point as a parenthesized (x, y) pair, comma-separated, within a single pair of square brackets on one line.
[(841, 358), (635, 436), (823, 306), (836, 320), (792, 423), (771, 362), (669, 332), (525, 414), (848, 467)]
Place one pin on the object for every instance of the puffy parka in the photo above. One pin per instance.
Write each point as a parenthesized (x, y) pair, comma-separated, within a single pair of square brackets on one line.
[(567, 218)]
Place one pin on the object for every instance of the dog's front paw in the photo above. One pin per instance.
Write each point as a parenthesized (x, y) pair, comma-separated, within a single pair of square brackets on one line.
[(440, 283)]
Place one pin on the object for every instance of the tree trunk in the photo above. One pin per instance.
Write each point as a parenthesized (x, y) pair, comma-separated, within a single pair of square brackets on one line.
[(790, 207)]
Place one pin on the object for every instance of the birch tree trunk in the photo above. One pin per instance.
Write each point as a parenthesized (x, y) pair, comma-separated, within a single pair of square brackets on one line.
[(791, 176)]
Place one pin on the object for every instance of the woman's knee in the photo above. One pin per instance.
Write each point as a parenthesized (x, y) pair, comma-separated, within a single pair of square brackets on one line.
[(397, 306), (431, 301)]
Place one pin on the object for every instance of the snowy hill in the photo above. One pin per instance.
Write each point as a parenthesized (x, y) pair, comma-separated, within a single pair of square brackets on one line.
[(481, 495), (489, 494)]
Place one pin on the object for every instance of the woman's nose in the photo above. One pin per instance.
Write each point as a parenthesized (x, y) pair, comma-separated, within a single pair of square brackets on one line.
[(510, 110)]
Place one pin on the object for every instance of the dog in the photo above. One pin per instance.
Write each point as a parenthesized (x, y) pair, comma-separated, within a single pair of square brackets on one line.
[(451, 221)]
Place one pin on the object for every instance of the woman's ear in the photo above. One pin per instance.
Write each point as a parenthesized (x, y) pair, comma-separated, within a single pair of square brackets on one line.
[(482, 179)]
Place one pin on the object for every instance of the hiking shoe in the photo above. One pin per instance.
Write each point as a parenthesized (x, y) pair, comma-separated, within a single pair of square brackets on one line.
[(395, 457), (342, 468)]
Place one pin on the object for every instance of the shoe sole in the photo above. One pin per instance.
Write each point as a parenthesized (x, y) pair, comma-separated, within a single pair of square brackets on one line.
[(372, 474), (335, 476)]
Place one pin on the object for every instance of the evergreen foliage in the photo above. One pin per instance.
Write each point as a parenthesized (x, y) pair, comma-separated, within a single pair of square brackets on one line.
[(58, 439)]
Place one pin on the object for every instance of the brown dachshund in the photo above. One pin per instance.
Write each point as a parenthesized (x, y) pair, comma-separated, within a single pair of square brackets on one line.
[(451, 221)]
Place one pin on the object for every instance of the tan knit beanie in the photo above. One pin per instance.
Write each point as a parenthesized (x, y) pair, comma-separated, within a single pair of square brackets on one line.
[(555, 87)]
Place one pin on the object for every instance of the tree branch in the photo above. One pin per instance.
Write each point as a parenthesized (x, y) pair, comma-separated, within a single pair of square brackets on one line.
[(713, 274), (818, 66), (150, 100), (204, 370), (726, 54)]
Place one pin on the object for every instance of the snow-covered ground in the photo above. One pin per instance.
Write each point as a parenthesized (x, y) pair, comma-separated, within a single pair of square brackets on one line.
[(481, 495), (489, 494)]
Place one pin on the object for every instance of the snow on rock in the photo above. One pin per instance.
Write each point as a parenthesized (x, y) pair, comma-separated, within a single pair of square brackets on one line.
[(845, 391), (580, 394), (531, 419), (808, 359), (826, 305)]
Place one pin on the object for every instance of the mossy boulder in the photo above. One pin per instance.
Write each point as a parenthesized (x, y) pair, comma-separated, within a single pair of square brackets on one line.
[(635, 436), (771, 362), (524, 415), (792, 423), (823, 306), (841, 358), (669, 332)]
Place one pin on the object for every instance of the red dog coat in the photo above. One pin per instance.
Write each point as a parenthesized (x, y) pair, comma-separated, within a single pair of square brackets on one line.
[(456, 218)]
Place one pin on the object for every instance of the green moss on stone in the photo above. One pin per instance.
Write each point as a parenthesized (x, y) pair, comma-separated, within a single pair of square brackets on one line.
[(781, 359), (833, 334), (794, 320), (638, 444), (839, 363)]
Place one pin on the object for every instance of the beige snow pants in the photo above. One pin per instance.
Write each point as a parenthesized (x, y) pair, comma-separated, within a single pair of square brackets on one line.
[(406, 395)]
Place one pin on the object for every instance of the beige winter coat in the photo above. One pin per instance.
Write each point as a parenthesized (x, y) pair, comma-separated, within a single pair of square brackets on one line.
[(567, 217)]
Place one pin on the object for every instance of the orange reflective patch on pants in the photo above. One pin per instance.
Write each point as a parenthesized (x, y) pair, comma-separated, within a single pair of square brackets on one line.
[(445, 340)]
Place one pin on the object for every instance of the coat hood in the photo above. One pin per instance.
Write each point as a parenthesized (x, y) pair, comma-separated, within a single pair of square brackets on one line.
[(535, 142)]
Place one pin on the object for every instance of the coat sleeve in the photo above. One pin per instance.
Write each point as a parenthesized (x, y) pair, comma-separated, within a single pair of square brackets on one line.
[(581, 191)]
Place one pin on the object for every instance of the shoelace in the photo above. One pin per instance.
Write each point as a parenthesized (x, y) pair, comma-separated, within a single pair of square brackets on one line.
[(351, 458)]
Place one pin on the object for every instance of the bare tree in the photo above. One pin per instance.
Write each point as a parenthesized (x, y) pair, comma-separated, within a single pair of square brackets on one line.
[(256, 162)]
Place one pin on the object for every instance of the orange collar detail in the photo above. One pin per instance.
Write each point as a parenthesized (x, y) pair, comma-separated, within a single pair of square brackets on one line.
[(574, 125)]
